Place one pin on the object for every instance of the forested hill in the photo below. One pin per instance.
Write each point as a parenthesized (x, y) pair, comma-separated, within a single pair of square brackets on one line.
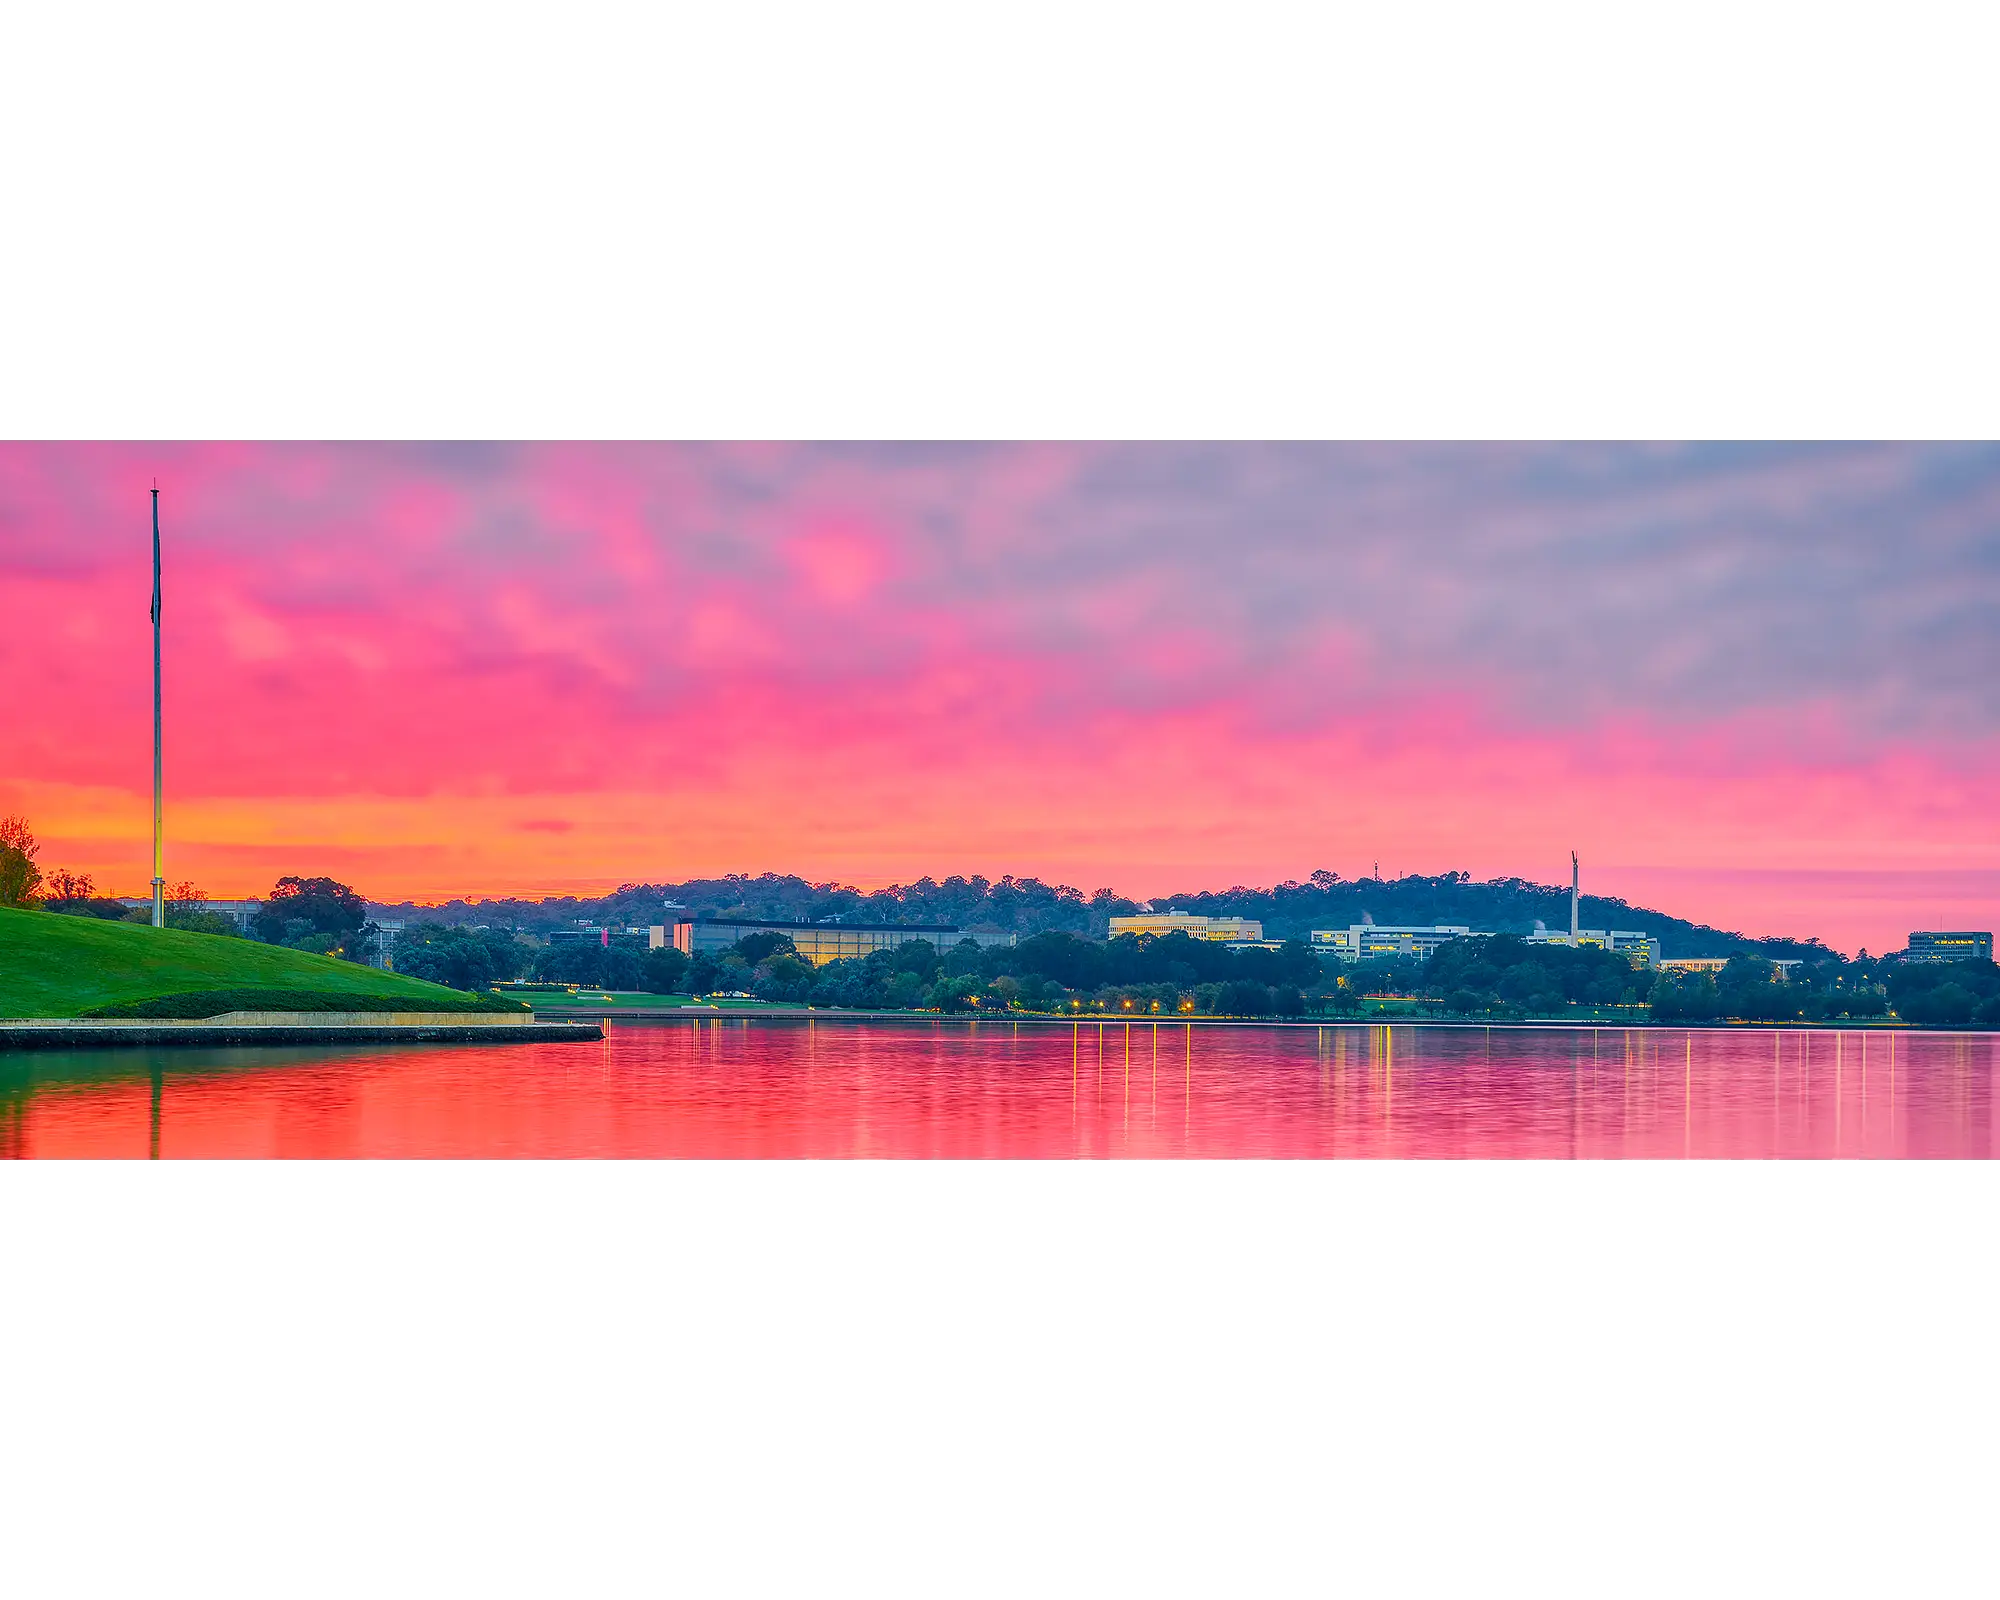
[(1028, 906), (1501, 905)]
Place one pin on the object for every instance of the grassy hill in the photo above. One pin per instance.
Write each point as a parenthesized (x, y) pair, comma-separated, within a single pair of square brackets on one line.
[(54, 966)]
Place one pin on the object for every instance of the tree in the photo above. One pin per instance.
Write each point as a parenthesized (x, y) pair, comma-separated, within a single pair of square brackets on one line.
[(1287, 1001), (906, 991), (756, 947), (20, 878), (615, 967), (461, 958), (73, 894), (704, 975), (1691, 998), (1949, 1005), (321, 904), (187, 910), (962, 958), (1242, 998), (662, 970), (62, 884), (954, 994)]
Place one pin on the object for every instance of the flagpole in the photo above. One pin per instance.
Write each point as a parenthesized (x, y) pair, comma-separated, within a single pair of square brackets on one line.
[(159, 882)]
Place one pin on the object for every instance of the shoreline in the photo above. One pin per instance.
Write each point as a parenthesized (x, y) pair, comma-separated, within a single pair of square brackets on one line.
[(813, 1014), (54, 1033)]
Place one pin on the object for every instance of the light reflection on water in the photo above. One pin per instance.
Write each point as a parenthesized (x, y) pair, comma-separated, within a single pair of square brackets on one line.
[(949, 1089)]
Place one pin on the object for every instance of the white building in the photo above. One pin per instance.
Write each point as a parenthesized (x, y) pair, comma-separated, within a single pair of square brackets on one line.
[(1219, 930), (1640, 948), (1692, 963), (1369, 941)]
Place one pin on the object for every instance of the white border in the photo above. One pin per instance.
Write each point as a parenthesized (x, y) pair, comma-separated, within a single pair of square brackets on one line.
[(1078, 219), (923, 1378)]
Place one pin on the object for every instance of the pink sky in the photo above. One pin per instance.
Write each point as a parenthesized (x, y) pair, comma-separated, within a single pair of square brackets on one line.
[(1752, 686)]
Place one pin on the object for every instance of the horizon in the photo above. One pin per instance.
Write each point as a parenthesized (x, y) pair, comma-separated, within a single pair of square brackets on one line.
[(1752, 685)]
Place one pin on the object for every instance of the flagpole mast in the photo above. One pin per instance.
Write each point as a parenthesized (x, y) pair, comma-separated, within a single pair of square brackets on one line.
[(159, 882)]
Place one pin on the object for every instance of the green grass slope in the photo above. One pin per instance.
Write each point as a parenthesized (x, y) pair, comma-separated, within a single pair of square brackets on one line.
[(53, 966)]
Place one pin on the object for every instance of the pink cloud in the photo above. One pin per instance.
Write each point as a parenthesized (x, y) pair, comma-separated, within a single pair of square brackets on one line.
[(1146, 669)]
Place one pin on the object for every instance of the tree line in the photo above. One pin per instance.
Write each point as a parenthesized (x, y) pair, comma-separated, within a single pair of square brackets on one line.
[(1028, 906)]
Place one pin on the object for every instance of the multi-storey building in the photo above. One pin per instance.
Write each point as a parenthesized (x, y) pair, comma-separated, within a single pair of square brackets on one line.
[(1642, 949), (1950, 947), (1219, 930), (1370, 941)]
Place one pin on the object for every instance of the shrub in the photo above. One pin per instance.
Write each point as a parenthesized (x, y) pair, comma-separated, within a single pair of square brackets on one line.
[(98, 906), (196, 1004)]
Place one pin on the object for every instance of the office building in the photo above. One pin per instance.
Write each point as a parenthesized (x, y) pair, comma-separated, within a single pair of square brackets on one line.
[(1369, 941), (1641, 949), (821, 942), (1218, 930), (1950, 947)]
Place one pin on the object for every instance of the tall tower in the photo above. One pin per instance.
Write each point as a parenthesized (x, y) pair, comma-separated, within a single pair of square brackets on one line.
[(159, 882), (1573, 877)]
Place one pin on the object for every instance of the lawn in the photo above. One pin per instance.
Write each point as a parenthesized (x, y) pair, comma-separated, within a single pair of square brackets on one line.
[(54, 966)]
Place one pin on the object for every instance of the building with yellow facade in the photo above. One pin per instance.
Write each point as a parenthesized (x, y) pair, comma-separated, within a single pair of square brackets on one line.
[(1216, 930)]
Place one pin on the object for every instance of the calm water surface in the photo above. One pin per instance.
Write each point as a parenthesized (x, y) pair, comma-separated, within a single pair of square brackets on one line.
[(955, 1089)]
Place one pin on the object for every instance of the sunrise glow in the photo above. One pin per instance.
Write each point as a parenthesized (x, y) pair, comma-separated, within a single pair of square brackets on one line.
[(1749, 686)]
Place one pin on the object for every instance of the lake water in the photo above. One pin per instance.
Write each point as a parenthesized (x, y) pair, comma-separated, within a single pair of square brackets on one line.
[(950, 1089)]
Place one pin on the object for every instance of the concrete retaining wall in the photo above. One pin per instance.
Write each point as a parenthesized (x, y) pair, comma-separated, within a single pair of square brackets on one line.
[(292, 1028)]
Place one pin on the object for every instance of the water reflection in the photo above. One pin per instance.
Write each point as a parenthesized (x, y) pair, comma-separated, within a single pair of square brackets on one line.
[(731, 1088)]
